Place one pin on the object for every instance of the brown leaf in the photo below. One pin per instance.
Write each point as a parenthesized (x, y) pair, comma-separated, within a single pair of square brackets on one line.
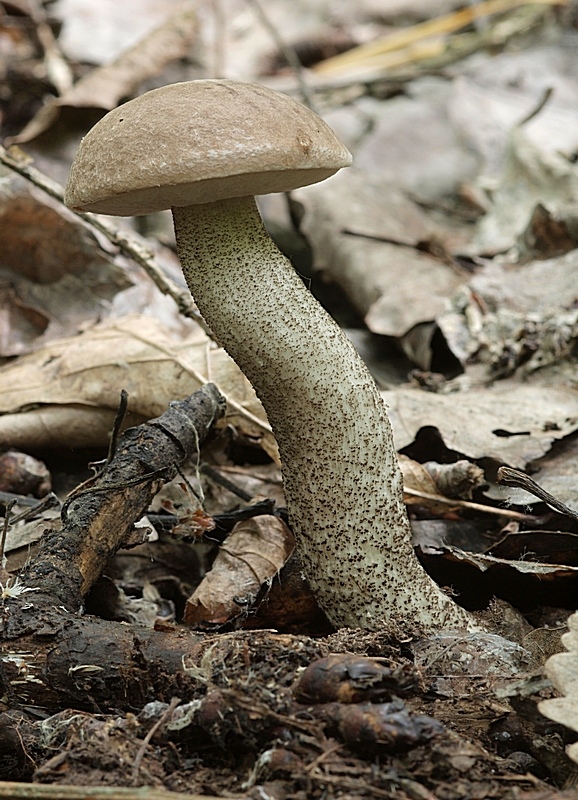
[(418, 479), (253, 554), (57, 278), (20, 324), (106, 86), (80, 378)]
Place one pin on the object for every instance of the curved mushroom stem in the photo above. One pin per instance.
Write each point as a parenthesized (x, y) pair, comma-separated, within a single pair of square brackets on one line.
[(343, 484)]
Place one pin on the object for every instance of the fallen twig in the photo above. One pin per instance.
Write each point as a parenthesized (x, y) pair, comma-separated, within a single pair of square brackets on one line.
[(513, 477), (98, 518), (499, 512)]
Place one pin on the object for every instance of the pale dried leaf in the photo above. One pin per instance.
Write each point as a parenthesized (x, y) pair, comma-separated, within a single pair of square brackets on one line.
[(252, 555), (134, 353), (364, 233), (106, 86), (511, 423)]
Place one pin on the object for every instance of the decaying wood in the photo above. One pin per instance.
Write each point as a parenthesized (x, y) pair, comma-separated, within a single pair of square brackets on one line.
[(89, 664), (49, 652), (98, 518)]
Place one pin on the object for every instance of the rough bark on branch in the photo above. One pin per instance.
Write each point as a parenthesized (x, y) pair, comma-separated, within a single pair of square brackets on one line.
[(48, 652), (98, 518)]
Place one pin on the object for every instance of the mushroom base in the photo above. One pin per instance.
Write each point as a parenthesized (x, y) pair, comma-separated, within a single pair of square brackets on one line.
[(343, 484)]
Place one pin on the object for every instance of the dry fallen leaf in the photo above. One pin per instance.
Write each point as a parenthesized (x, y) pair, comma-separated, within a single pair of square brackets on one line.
[(76, 382), (523, 164), (509, 422), (253, 553), (418, 479), (515, 318), (56, 277), (364, 232), (433, 485), (106, 86)]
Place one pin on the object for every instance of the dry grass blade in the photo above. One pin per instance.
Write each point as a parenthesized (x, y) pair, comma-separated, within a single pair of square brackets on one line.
[(365, 55)]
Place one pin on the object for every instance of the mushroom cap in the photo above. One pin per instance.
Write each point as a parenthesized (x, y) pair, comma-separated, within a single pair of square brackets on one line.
[(199, 142)]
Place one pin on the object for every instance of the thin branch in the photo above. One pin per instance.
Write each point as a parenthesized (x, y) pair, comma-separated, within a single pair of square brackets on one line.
[(513, 477), (288, 51), (17, 161), (500, 512)]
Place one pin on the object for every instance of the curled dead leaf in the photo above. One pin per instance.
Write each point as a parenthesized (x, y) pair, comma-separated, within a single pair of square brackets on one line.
[(253, 553)]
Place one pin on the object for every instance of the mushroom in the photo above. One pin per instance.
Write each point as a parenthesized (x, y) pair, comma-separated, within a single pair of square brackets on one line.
[(205, 149)]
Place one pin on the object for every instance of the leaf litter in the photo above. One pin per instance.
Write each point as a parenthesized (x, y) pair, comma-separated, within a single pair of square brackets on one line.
[(453, 238)]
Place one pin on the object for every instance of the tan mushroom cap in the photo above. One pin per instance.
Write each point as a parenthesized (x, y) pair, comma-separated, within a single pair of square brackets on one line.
[(198, 142)]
